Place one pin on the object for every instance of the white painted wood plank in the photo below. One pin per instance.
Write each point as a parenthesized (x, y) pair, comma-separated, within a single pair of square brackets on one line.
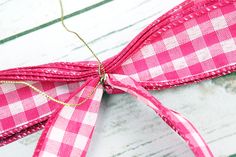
[(128, 128), (17, 16), (115, 23), (125, 127)]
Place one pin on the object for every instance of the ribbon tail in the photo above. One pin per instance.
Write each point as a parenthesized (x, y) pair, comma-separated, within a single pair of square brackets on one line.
[(176, 121), (69, 131)]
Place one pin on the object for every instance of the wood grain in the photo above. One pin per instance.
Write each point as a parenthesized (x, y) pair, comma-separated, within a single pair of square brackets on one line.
[(126, 127)]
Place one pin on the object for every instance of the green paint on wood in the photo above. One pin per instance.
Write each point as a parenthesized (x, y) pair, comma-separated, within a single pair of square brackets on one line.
[(233, 155), (230, 75), (53, 21)]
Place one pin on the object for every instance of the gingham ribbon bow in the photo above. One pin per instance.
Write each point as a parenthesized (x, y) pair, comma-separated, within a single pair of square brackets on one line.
[(192, 42)]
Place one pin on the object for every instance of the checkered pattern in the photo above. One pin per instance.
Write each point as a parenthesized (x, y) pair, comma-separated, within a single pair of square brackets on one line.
[(182, 47), (19, 105), (201, 44), (177, 122), (69, 132)]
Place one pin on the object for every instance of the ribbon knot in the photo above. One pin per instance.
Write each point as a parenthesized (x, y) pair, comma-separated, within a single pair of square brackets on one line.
[(101, 73)]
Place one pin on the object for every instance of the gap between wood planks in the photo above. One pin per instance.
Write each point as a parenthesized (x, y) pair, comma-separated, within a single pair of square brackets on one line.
[(2, 41)]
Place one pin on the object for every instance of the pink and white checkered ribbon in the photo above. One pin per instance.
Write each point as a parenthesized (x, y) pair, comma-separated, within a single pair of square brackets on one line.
[(194, 41)]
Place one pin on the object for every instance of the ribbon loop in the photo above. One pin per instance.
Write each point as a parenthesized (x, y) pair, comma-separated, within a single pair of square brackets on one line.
[(188, 44)]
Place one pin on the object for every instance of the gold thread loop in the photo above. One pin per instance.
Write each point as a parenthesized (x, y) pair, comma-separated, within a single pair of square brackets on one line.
[(101, 71)]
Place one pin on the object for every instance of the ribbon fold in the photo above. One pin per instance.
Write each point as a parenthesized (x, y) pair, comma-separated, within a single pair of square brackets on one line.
[(188, 44), (69, 131)]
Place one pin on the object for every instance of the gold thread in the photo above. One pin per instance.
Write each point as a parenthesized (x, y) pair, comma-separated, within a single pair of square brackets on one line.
[(71, 31), (101, 71), (48, 96)]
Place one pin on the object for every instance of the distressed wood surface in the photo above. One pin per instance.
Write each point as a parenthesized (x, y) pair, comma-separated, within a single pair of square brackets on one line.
[(30, 35)]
